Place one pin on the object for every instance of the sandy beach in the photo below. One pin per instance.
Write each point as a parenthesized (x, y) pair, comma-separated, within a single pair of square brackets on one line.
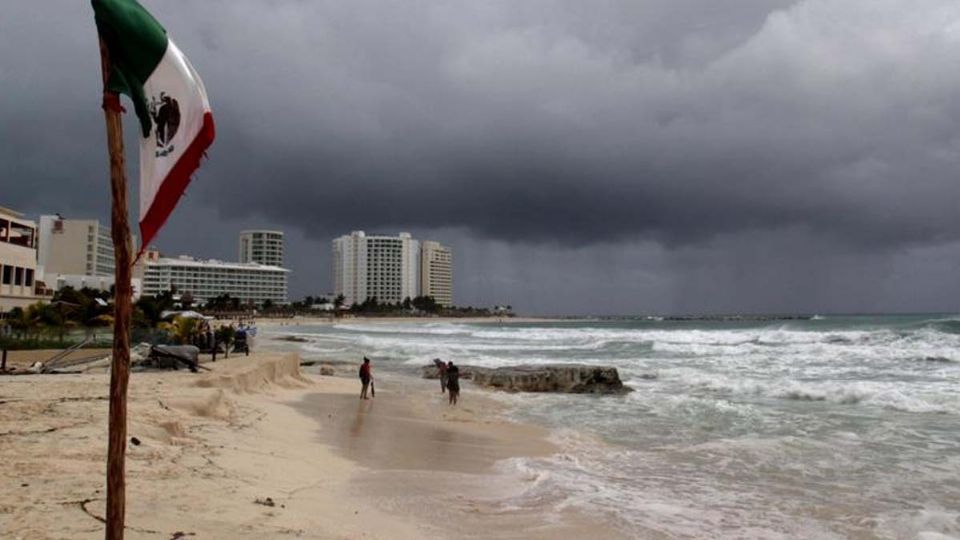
[(256, 449)]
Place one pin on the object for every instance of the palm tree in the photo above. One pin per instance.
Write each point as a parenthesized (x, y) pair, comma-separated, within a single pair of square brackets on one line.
[(53, 317), (20, 322), (183, 330)]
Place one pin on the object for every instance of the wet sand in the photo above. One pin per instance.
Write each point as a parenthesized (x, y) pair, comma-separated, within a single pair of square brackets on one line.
[(388, 433), (442, 465)]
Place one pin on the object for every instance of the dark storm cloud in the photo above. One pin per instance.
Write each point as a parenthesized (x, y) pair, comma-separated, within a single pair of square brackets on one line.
[(554, 122), (677, 125)]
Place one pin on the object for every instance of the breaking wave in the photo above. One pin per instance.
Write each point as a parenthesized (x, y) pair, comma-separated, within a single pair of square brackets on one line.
[(889, 395)]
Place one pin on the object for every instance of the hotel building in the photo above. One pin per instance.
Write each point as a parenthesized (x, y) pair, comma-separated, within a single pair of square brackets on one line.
[(18, 260), (391, 268), (77, 253), (206, 279), (263, 247), (74, 247), (436, 272), (383, 267)]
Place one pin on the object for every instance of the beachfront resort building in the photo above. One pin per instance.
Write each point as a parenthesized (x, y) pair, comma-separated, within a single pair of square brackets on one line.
[(436, 272), (391, 268), (74, 247), (18, 260), (374, 266), (204, 280), (264, 247), (77, 253)]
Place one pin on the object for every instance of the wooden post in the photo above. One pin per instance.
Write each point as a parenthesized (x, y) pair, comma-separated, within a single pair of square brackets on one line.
[(120, 369)]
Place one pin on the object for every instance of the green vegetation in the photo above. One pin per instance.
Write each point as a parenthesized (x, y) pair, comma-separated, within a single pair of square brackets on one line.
[(73, 316), (421, 306), (183, 330), (224, 302), (416, 307), (53, 321), (148, 309), (226, 336), (52, 324)]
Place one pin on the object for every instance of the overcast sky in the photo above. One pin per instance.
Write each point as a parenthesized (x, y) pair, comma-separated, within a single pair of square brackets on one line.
[(580, 157)]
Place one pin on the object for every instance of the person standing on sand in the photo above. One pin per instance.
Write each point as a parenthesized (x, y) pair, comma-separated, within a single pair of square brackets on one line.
[(366, 377), (453, 382), (442, 370)]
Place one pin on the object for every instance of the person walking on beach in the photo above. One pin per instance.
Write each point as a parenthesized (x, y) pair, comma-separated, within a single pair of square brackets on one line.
[(366, 377), (442, 370), (453, 382)]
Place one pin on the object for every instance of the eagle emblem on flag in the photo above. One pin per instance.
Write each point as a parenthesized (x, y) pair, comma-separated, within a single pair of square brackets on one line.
[(165, 112)]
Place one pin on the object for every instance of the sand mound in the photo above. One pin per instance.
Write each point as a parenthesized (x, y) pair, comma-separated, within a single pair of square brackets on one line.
[(168, 420), (241, 376), (165, 431), (246, 377), (214, 405)]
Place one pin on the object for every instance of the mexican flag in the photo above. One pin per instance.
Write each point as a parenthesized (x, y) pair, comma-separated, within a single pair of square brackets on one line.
[(176, 125)]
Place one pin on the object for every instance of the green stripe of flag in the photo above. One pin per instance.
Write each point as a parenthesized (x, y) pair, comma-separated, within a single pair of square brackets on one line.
[(136, 43)]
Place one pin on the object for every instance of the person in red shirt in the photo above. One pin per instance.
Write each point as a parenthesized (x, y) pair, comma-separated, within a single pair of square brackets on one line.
[(366, 377)]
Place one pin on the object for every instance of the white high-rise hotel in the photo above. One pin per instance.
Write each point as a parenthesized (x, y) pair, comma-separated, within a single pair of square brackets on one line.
[(264, 247), (436, 272), (385, 267)]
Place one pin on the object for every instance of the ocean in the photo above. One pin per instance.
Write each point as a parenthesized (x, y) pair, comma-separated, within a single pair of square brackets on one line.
[(830, 427)]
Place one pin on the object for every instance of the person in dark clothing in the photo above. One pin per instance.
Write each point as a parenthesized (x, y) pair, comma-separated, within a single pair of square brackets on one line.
[(442, 370), (240, 341), (366, 377), (453, 382)]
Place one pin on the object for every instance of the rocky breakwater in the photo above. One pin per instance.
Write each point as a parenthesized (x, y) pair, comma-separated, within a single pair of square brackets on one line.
[(560, 378)]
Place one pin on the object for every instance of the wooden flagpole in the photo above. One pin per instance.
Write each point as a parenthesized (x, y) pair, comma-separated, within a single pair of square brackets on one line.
[(120, 369)]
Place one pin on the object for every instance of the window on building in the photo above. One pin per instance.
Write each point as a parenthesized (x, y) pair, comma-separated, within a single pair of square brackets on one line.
[(7, 275), (28, 278), (18, 276)]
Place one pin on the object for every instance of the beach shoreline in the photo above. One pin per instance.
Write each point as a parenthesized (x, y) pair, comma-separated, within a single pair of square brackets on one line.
[(724, 417), (269, 322), (257, 449), (443, 466)]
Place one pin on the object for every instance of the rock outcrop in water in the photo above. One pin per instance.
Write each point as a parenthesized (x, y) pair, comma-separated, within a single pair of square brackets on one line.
[(561, 378)]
